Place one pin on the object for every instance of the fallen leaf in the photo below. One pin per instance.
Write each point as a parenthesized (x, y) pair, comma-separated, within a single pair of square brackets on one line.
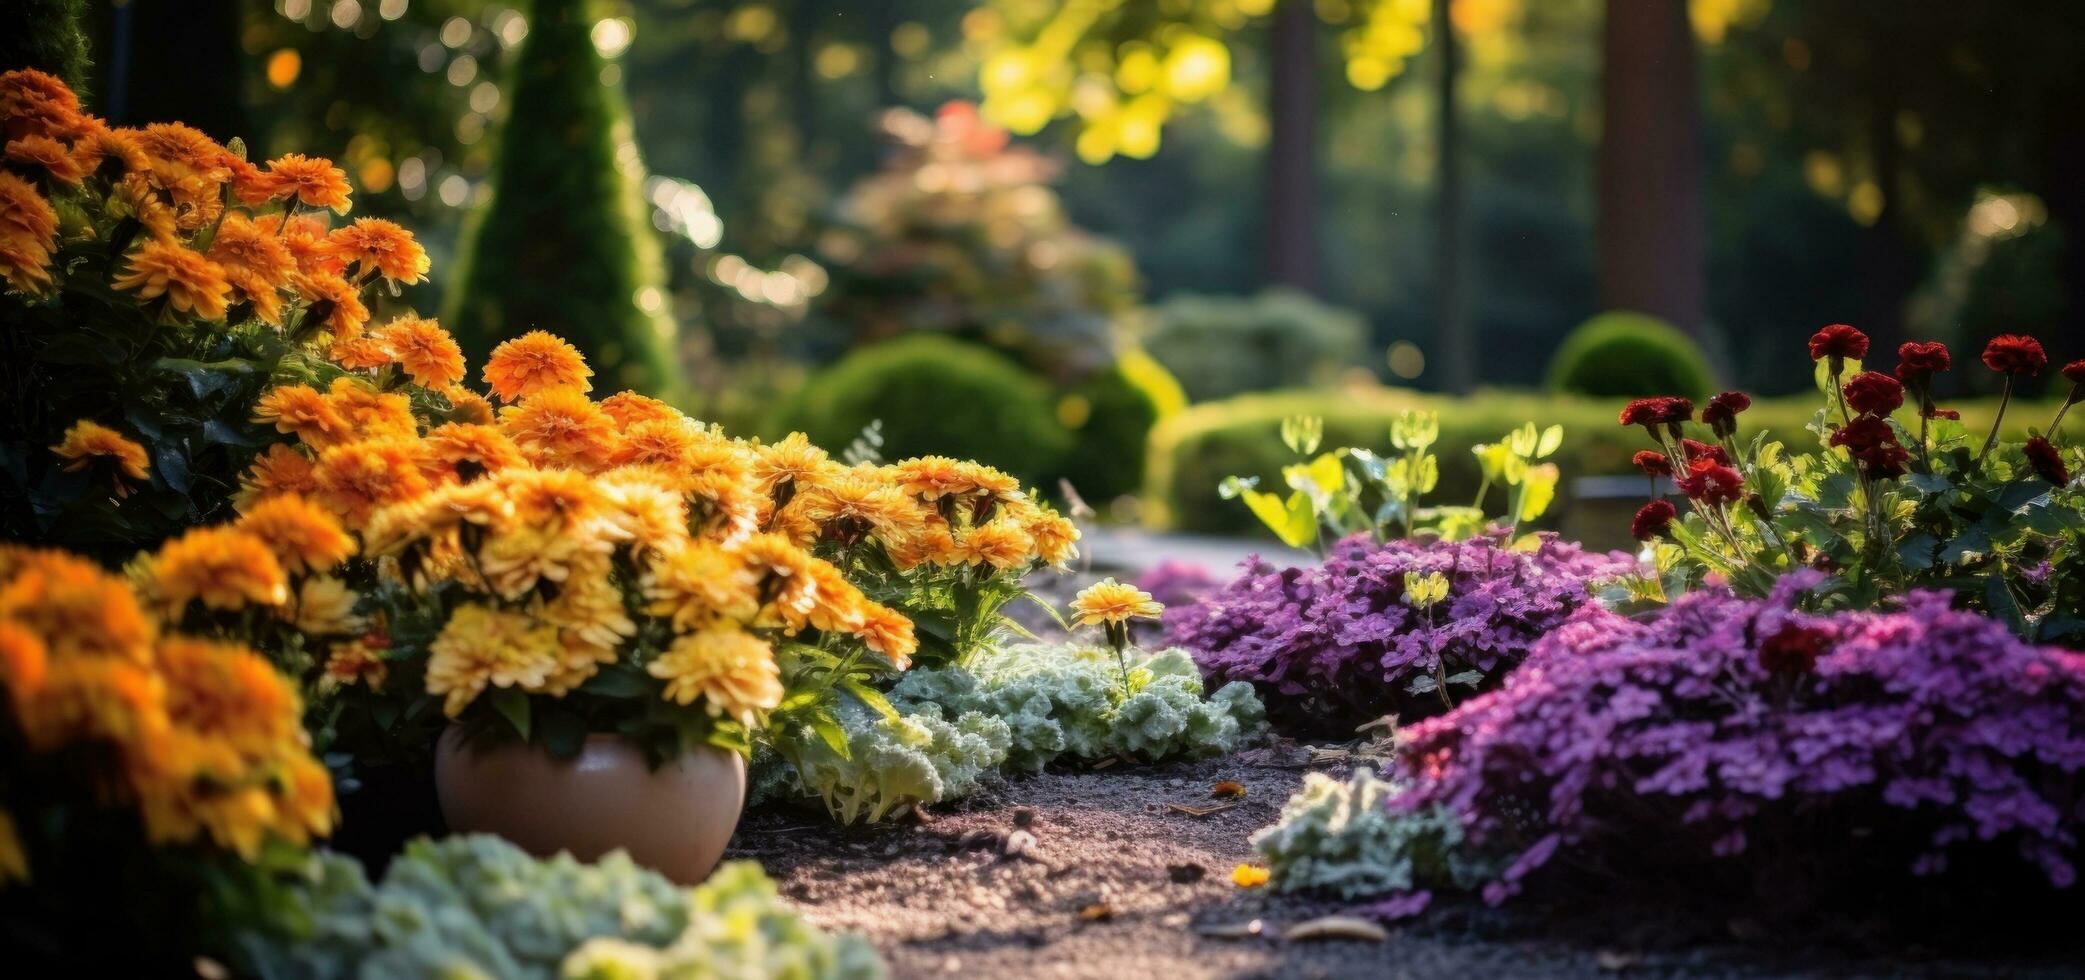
[(1228, 789), (1199, 811), (1249, 876), (980, 839), (1336, 927), (1097, 912), (1106, 763), (1233, 930)]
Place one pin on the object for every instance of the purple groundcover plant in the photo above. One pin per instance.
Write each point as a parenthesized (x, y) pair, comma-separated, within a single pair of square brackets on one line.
[(1339, 644), (1174, 582), (1723, 727)]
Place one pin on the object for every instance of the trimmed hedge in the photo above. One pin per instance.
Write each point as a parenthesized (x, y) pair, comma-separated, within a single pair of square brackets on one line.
[(1222, 346), (1193, 451), (1629, 355), (1111, 416)]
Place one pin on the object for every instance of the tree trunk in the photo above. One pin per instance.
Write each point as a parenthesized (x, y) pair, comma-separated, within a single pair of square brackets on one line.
[(176, 62), (1887, 268), (1652, 229), (1291, 200), (1457, 336)]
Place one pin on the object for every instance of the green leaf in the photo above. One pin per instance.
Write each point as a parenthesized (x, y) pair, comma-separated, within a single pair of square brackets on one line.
[(1294, 521), (1541, 489), (1973, 542), (562, 733), (869, 697), (1552, 440), (618, 682), (512, 705), (1916, 551)]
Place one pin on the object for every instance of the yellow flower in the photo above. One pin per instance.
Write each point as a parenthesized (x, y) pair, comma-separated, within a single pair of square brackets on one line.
[(1111, 603), (222, 568), (426, 351), (356, 661), (277, 471), (890, 633), (932, 477), (644, 505), (1249, 876), (560, 427), (325, 606), (1000, 545), (855, 502), (463, 452), (88, 442), (481, 646), (190, 283), (300, 410), (733, 672), (255, 262), (370, 413), (373, 245), (95, 700), (700, 584), (786, 466), (1056, 538), (666, 443), (357, 478), (14, 860), (312, 182), (589, 613), (77, 610), (24, 661), (304, 536), (535, 362), (628, 408), (516, 559), (468, 406)]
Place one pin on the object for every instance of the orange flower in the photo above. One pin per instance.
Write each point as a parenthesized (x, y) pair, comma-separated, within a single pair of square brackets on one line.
[(534, 362), (179, 143), (560, 427), (788, 466), (303, 536), (312, 182), (1056, 539), (733, 672), (666, 443), (75, 608), (357, 478), (463, 452), (223, 568), (301, 411), (190, 283), (364, 353), (28, 235), (336, 304), (35, 103), (370, 413), (382, 247), (890, 633), (88, 442), (42, 151), (304, 237), (1000, 545), (224, 691), (932, 477), (629, 408), (277, 471), (427, 353), (136, 196), (255, 262), (466, 405), (23, 660), (358, 661)]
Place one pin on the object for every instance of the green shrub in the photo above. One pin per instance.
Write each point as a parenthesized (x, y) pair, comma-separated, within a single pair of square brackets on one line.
[(1111, 416), (1224, 345), (566, 244), (46, 35), (936, 396), (1192, 452), (1629, 355)]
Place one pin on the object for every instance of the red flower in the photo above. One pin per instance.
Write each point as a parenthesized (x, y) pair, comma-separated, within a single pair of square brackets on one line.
[(1712, 483), (2013, 353), (1722, 411), (2075, 371), (1883, 461), (1922, 360), (1863, 433), (1943, 413), (2047, 461), (1662, 410), (1653, 463), (1874, 393), (1654, 520), (1794, 650), (1838, 341), (1694, 449)]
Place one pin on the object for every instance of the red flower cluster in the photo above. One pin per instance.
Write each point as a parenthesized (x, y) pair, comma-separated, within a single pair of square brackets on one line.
[(2047, 461), (1874, 393), (1794, 650), (1653, 463), (1663, 410), (1838, 341), (2075, 371), (2013, 353), (1918, 360), (1874, 446), (1712, 483), (1722, 411), (1695, 449), (1653, 520)]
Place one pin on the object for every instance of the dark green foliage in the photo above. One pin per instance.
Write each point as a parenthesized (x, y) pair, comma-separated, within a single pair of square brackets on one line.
[(45, 35), (1111, 416), (565, 246), (939, 397), (1225, 345), (1630, 355)]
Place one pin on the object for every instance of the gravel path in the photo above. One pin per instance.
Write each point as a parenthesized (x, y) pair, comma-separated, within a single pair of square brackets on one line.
[(1105, 881)]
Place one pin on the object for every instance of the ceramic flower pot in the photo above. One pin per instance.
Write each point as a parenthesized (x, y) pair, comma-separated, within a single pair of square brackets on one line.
[(675, 819)]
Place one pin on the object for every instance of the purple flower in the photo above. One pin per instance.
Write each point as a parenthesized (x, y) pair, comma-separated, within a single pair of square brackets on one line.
[(1176, 583), (1690, 737), (1337, 645)]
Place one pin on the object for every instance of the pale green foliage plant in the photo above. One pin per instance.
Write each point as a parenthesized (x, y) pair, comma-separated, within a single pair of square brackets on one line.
[(1336, 838), (889, 764)]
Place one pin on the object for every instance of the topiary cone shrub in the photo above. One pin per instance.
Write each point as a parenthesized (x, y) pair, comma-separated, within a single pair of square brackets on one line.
[(564, 245), (1629, 355)]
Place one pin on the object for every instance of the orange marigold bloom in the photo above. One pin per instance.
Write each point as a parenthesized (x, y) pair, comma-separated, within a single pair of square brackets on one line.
[(357, 478), (223, 568), (33, 103), (303, 536), (1056, 539), (533, 362), (932, 477), (463, 452), (313, 182), (370, 413), (228, 692), (1001, 545), (426, 351), (466, 405), (667, 443), (23, 660), (28, 235), (1111, 603), (733, 672), (358, 661), (783, 468), (304, 237), (373, 245), (42, 151), (255, 262), (190, 283), (277, 471), (88, 442), (136, 196), (629, 408), (363, 353), (890, 633), (74, 607), (336, 303), (301, 411), (173, 142), (561, 427)]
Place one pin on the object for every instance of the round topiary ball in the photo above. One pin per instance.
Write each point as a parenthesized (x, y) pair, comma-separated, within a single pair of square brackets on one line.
[(1110, 416), (936, 396), (1630, 355)]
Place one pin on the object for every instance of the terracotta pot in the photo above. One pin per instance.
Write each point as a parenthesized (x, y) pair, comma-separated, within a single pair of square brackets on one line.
[(675, 819)]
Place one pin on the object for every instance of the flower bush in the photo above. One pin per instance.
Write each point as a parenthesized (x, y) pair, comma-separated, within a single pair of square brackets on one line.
[(155, 281), (1346, 642), (1916, 741), (478, 906), (1881, 503)]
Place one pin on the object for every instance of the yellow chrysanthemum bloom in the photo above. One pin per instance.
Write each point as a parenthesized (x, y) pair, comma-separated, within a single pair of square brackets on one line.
[(90, 699), (89, 442), (231, 693), (428, 354), (855, 503), (324, 606), (535, 362), (786, 466), (642, 502), (1111, 603), (481, 646), (890, 633), (300, 410), (733, 671), (222, 568), (699, 584), (666, 443), (464, 452), (468, 406), (1000, 545), (514, 560), (1056, 538), (356, 661), (255, 262), (385, 248), (932, 477), (629, 408), (190, 283), (304, 536), (357, 478), (364, 353), (561, 427)]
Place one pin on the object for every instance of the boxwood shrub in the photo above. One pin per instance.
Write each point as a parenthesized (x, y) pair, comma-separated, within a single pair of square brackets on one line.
[(1630, 355)]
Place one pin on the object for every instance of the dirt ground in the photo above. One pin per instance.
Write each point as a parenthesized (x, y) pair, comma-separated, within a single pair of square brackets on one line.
[(1108, 881)]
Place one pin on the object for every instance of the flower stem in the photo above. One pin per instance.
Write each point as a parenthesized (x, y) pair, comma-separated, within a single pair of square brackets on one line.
[(2004, 399)]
